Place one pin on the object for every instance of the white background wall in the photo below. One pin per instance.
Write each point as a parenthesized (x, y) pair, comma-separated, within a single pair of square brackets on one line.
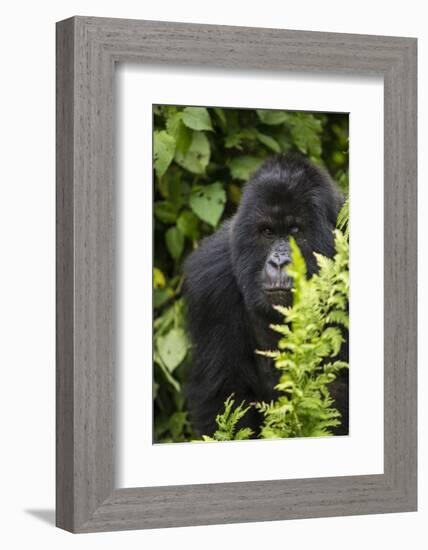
[(27, 271)]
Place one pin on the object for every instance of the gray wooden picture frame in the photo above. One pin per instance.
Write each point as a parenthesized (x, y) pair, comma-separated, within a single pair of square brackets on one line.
[(87, 50)]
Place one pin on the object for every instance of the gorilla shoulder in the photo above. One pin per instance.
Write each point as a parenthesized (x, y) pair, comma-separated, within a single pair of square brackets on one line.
[(209, 282)]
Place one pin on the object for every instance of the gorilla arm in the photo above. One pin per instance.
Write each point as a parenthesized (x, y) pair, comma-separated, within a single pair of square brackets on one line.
[(223, 355)]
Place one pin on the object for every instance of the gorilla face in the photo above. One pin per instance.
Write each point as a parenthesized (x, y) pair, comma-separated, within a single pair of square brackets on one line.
[(286, 197)]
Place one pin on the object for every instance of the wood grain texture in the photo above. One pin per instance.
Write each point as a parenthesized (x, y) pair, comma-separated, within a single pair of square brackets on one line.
[(64, 277), (87, 50)]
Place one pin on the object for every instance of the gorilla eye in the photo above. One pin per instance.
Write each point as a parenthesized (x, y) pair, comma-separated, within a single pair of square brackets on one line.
[(294, 230), (268, 232)]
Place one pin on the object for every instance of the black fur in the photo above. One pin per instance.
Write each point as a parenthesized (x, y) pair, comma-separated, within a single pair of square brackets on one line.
[(229, 312)]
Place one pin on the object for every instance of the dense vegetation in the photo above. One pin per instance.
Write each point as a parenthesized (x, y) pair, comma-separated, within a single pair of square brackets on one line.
[(202, 158)]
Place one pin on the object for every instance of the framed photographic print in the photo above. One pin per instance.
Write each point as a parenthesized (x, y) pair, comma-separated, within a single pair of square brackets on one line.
[(236, 274)]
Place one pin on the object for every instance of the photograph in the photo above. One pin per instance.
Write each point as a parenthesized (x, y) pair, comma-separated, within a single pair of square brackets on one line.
[(250, 274), (190, 363)]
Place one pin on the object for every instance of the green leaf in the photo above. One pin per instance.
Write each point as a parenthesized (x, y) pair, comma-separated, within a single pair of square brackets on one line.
[(234, 193), (174, 242), (167, 374), (228, 420), (221, 117), (235, 138), (271, 143), (306, 133), (197, 118), (175, 190), (172, 348), (173, 123), (198, 156), (181, 134), (243, 433), (343, 218), (243, 167), (162, 295), (271, 117), (187, 223), (208, 202), (159, 280), (299, 264), (164, 149), (177, 423), (165, 211), (233, 141)]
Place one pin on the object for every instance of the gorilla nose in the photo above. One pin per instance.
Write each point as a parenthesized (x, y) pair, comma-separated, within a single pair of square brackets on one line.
[(276, 276), (279, 259)]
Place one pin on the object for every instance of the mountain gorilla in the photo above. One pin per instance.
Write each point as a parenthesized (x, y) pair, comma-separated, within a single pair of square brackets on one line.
[(237, 274)]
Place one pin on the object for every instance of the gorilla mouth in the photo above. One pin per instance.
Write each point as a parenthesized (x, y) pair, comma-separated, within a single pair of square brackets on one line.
[(277, 290), (278, 295)]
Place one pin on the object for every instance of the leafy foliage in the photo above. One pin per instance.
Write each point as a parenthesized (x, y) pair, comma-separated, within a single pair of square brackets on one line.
[(343, 219), (227, 423), (202, 159)]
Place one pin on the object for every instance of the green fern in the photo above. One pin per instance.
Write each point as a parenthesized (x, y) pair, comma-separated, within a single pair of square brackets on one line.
[(227, 423), (343, 219)]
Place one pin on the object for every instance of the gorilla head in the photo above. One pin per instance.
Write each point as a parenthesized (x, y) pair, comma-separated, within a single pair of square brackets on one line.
[(286, 197)]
